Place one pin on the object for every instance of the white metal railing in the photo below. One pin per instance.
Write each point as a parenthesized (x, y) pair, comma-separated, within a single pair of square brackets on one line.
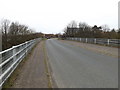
[(10, 58), (109, 42)]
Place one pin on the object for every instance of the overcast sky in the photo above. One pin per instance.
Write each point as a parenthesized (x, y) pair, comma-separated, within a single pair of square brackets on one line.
[(52, 16)]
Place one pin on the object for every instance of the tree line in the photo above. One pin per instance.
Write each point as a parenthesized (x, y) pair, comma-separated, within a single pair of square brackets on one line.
[(84, 30), (14, 33)]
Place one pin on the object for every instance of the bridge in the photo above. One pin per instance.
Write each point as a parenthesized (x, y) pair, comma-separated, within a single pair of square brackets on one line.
[(56, 63)]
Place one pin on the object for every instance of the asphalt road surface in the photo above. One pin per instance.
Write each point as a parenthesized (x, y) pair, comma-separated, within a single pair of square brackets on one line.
[(75, 67)]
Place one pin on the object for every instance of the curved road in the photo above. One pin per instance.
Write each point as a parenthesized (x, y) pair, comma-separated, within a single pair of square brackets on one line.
[(75, 67)]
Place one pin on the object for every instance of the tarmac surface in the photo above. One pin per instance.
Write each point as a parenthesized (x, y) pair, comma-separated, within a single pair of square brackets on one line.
[(78, 67)]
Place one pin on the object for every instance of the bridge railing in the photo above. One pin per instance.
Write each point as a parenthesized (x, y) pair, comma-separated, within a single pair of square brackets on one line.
[(109, 42), (10, 58)]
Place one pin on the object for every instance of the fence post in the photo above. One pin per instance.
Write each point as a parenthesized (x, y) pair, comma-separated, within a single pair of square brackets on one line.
[(14, 52), (86, 40), (80, 39), (95, 40), (108, 42), (26, 44)]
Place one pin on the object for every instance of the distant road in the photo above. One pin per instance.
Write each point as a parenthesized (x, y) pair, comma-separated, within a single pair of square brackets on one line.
[(75, 67)]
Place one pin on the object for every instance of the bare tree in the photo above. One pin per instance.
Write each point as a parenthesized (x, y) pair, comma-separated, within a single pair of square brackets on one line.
[(83, 25), (105, 28), (86, 31), (14, 33), (5, 27), (72, 24)]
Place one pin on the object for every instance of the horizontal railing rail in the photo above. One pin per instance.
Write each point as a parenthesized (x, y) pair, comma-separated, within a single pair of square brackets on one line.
[(102, 41), (10, 58)]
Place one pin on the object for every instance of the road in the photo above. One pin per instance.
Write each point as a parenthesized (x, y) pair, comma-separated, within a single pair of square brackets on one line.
[(76, 67)]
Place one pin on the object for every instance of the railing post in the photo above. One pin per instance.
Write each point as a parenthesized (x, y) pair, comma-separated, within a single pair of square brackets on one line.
[(14, 52), (80, 39), (108, 42), (26, 48), (86, 40), (95, 40)]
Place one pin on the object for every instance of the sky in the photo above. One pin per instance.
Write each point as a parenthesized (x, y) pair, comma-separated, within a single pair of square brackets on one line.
[(52, 16)]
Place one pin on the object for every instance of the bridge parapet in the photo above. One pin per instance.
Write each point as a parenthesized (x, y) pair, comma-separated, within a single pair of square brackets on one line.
[(11, 57)]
